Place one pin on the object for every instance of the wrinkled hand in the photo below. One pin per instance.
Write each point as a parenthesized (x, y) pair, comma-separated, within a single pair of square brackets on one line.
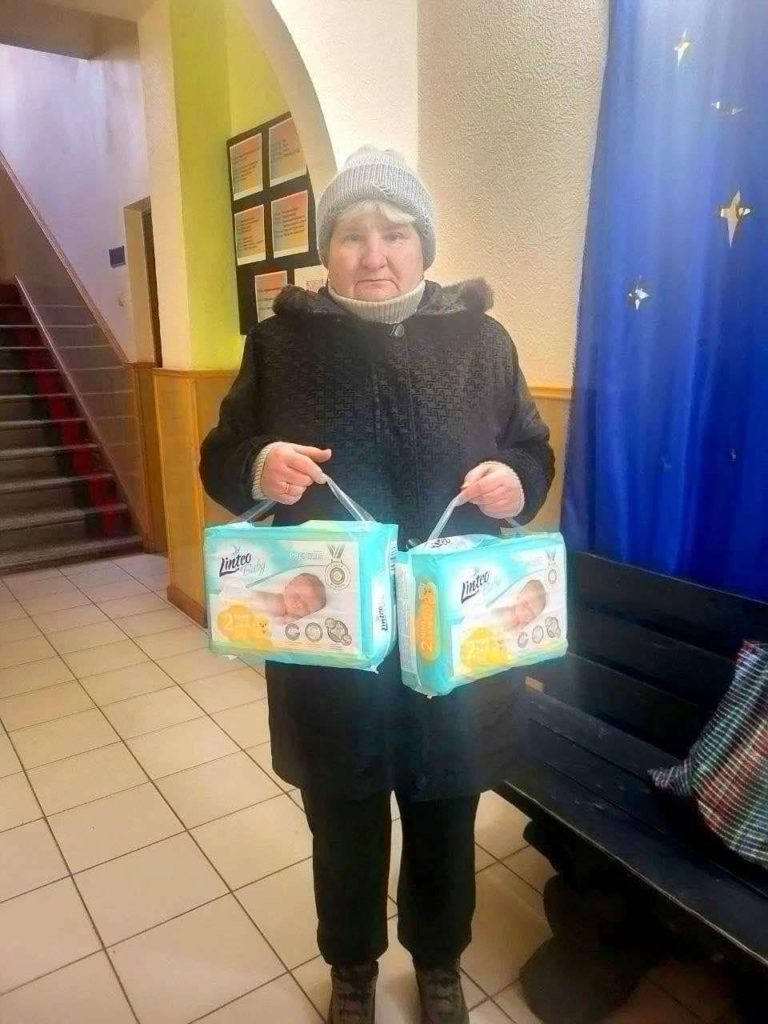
[(495, 489), (290, 469)]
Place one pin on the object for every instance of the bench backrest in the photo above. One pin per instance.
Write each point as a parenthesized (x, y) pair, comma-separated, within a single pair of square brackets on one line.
[(649, 654)]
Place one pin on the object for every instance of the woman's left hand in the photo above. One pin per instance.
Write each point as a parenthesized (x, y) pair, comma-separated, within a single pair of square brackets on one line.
[(495, 489)]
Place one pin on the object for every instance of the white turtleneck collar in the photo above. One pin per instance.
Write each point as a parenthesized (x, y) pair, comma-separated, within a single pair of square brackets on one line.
[(388, 311)]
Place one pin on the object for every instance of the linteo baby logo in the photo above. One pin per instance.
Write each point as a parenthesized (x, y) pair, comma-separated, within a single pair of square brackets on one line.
[(230, 564), (471, 587)]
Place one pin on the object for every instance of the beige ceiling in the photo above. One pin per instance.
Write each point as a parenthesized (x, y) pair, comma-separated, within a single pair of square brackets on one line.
[(130, 10)]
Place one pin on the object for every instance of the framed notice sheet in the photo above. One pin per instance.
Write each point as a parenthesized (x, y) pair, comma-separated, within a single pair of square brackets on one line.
[(290, 225), (268, 287), (246, 166), (273, 217), (286, 159), (250, 239), (311, 278)]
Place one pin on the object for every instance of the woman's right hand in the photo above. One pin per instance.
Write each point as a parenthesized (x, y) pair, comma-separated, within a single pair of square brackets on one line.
[(290, 469)]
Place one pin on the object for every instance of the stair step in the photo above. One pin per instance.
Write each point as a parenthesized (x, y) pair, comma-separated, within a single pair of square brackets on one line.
[(31, 494), (43, 483), (13, 381), (35, 406), (45, 449), (58, 554), (32, 433), (9, 294), (14, 314), (63, 525), (53, 516)]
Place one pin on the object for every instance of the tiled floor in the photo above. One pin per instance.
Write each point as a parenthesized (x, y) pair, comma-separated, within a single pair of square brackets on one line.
[(152, 867)]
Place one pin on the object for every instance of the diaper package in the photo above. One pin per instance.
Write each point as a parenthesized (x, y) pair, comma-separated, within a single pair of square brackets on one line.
[(469, 607), (317, 594)]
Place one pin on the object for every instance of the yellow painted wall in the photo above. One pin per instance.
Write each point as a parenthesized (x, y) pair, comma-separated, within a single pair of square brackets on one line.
[(255, 95), (222, 84)]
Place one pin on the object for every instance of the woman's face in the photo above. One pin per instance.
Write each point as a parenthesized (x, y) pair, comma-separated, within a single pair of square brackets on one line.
[(372, 259)]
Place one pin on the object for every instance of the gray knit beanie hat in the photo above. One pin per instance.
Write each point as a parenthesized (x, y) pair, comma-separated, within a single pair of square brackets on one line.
[(377, 174)]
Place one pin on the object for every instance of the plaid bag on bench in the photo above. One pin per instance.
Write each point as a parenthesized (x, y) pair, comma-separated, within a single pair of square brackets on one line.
[(726, 771)]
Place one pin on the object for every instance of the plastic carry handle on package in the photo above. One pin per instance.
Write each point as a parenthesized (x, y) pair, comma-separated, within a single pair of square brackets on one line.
[(317, 594), (469, 607)]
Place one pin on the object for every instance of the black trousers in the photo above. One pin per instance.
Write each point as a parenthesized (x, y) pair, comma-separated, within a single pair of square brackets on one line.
[(351, 855)]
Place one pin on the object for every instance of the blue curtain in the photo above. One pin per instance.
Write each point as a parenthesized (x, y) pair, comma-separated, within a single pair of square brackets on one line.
[(668, 452)]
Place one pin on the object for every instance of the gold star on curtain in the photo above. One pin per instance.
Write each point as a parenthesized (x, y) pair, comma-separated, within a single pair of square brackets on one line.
[(682, 47), (734, 213), (637, 295)]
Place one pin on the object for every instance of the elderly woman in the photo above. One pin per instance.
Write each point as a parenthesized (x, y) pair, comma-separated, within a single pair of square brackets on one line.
[(406, 392)]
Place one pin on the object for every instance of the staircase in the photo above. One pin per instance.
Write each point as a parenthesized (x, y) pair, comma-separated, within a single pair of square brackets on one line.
[(58, 500)]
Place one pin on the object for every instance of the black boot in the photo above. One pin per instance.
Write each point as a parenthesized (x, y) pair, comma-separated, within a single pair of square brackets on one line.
[(441, 995), (353, 998)]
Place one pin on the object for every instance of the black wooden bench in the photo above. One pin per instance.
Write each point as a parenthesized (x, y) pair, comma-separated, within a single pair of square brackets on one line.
[(650, 657)]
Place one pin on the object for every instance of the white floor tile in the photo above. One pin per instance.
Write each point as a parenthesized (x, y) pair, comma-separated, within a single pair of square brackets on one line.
[(701, 987), (185, 668), (649, 1005), (149, 623), (252, 843), (262, 755), (41, 931), (10, 610), (25, 652), (123, 683), (506, 930), (100, 592), (279, 1002), (216, 789), (488, 1013), (29, 858), (194, 964), (532, 867), (85, 638), (108, 658), (152, 711), (86, 992), (9, 762), (180, 747), (143, 565), (248, 725), (499, 827), (512, 1002), (17, 802), (113, 826), (119, 607), (233, 689), (26, 678), (69, 618), (51, 741), (41, 604), (86, 777), (39, 706), (18, 629), (145, 888), (283, 908), (173, 641)]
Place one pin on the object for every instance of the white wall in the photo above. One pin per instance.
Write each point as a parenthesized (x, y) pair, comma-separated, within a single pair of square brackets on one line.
[(508, 102), (362, 59), (73, 133)]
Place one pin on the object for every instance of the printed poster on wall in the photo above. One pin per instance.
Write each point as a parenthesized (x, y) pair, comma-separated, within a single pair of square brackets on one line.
[(250, 239), (246, 166), (290, 224), (268, 287), (311, 278), (286, 159)]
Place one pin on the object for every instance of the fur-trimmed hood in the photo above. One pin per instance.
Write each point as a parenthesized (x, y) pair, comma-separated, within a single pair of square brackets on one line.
[(471, 296)]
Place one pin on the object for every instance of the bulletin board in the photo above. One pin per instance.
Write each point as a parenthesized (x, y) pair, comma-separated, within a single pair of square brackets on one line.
[(273, 217)]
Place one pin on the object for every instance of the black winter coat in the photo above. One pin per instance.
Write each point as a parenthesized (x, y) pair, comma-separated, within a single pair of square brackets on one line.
[(408, 411)]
